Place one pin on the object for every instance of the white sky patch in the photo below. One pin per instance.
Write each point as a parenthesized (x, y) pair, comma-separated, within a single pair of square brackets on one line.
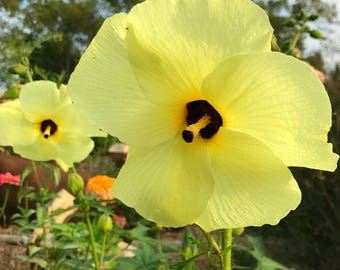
[(11, 22), (330, 46)]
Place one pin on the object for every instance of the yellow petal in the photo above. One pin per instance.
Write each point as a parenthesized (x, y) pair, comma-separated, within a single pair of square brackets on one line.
[(278, 100), (15, 129), (70, 119), (71, 148), (252, 186), (170, 184), (104, 89), (41, 150), (174, 44), (40, 99)]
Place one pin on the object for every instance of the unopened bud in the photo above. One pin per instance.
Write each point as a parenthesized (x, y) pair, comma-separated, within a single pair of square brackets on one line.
[(296, 53), (316, 34), (25, 61), (105, 223), (11, 93), (19, 69), (237, 231), (75, 183)]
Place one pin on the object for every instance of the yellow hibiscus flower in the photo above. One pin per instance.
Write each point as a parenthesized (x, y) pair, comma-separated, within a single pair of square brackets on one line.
[(212, 117), (44, 125)]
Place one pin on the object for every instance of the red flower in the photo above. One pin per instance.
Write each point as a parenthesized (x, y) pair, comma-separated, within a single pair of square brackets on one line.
[(8, 178)]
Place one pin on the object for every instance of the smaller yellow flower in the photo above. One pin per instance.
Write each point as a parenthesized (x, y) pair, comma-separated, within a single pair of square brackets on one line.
[(43, 125), (101, 185)]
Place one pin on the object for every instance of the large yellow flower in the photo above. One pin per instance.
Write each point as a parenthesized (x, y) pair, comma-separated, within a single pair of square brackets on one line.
[(212, 117), (44, 125)]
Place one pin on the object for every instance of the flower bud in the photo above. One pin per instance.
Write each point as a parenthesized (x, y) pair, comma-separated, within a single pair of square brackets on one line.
[(105, 223), (237, 231), (25, 61), (11, 93), (296, 53), (120, 221), (316, 34), (19, 69), (75, 183)]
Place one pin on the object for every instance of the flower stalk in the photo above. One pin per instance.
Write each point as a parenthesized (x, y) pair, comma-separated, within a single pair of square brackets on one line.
[(103, 250), (3, 206), (295, 40), (227, 239), (212, 242), (223, 252), (92, 240), (76, 185), (36, 174)]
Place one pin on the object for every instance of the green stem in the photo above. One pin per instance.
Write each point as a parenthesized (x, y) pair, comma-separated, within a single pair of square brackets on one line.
[(212, 242), (158, 237), (226, 248), (37, 177), (4, 205), (92, 241), (47, 256), (28, 75), (296, 39), (103, 250), (74, 170)]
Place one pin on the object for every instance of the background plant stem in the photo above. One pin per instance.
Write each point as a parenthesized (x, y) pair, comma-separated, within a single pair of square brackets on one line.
[(103, 249), (92, 240)]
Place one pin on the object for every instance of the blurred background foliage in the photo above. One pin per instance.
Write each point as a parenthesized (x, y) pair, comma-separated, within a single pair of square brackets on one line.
[(54, 33)]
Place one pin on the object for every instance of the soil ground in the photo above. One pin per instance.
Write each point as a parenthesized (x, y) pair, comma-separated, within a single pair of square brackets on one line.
[(8, 252)]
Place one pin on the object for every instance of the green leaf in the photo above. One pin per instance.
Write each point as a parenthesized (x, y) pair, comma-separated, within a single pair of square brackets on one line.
[(33, 250), (313, 17), (291, 23), (268, 264), (263, 262), (25, 173), (182, 264), (56, 175), (139, 232), (40, 261)]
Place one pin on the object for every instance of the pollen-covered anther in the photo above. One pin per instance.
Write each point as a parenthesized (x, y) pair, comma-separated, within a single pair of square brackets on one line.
[(202, 119), (48, 128)]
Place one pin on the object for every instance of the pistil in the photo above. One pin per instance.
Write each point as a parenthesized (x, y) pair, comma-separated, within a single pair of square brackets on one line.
[(202, 119), (47, 132), (193, 130), (48, 128)]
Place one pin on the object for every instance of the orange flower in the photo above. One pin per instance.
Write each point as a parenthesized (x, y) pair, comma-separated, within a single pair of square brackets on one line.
[(101, 185)]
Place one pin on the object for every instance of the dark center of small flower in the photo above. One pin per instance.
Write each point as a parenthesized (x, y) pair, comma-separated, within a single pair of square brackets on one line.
[(202, 119), (48, 128)]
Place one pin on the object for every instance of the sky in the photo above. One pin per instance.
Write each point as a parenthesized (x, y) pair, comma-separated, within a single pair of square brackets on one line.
[(330, 47)]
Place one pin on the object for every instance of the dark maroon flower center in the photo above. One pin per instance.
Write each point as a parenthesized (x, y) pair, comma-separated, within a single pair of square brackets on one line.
[(48, 128), (202, 119)]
